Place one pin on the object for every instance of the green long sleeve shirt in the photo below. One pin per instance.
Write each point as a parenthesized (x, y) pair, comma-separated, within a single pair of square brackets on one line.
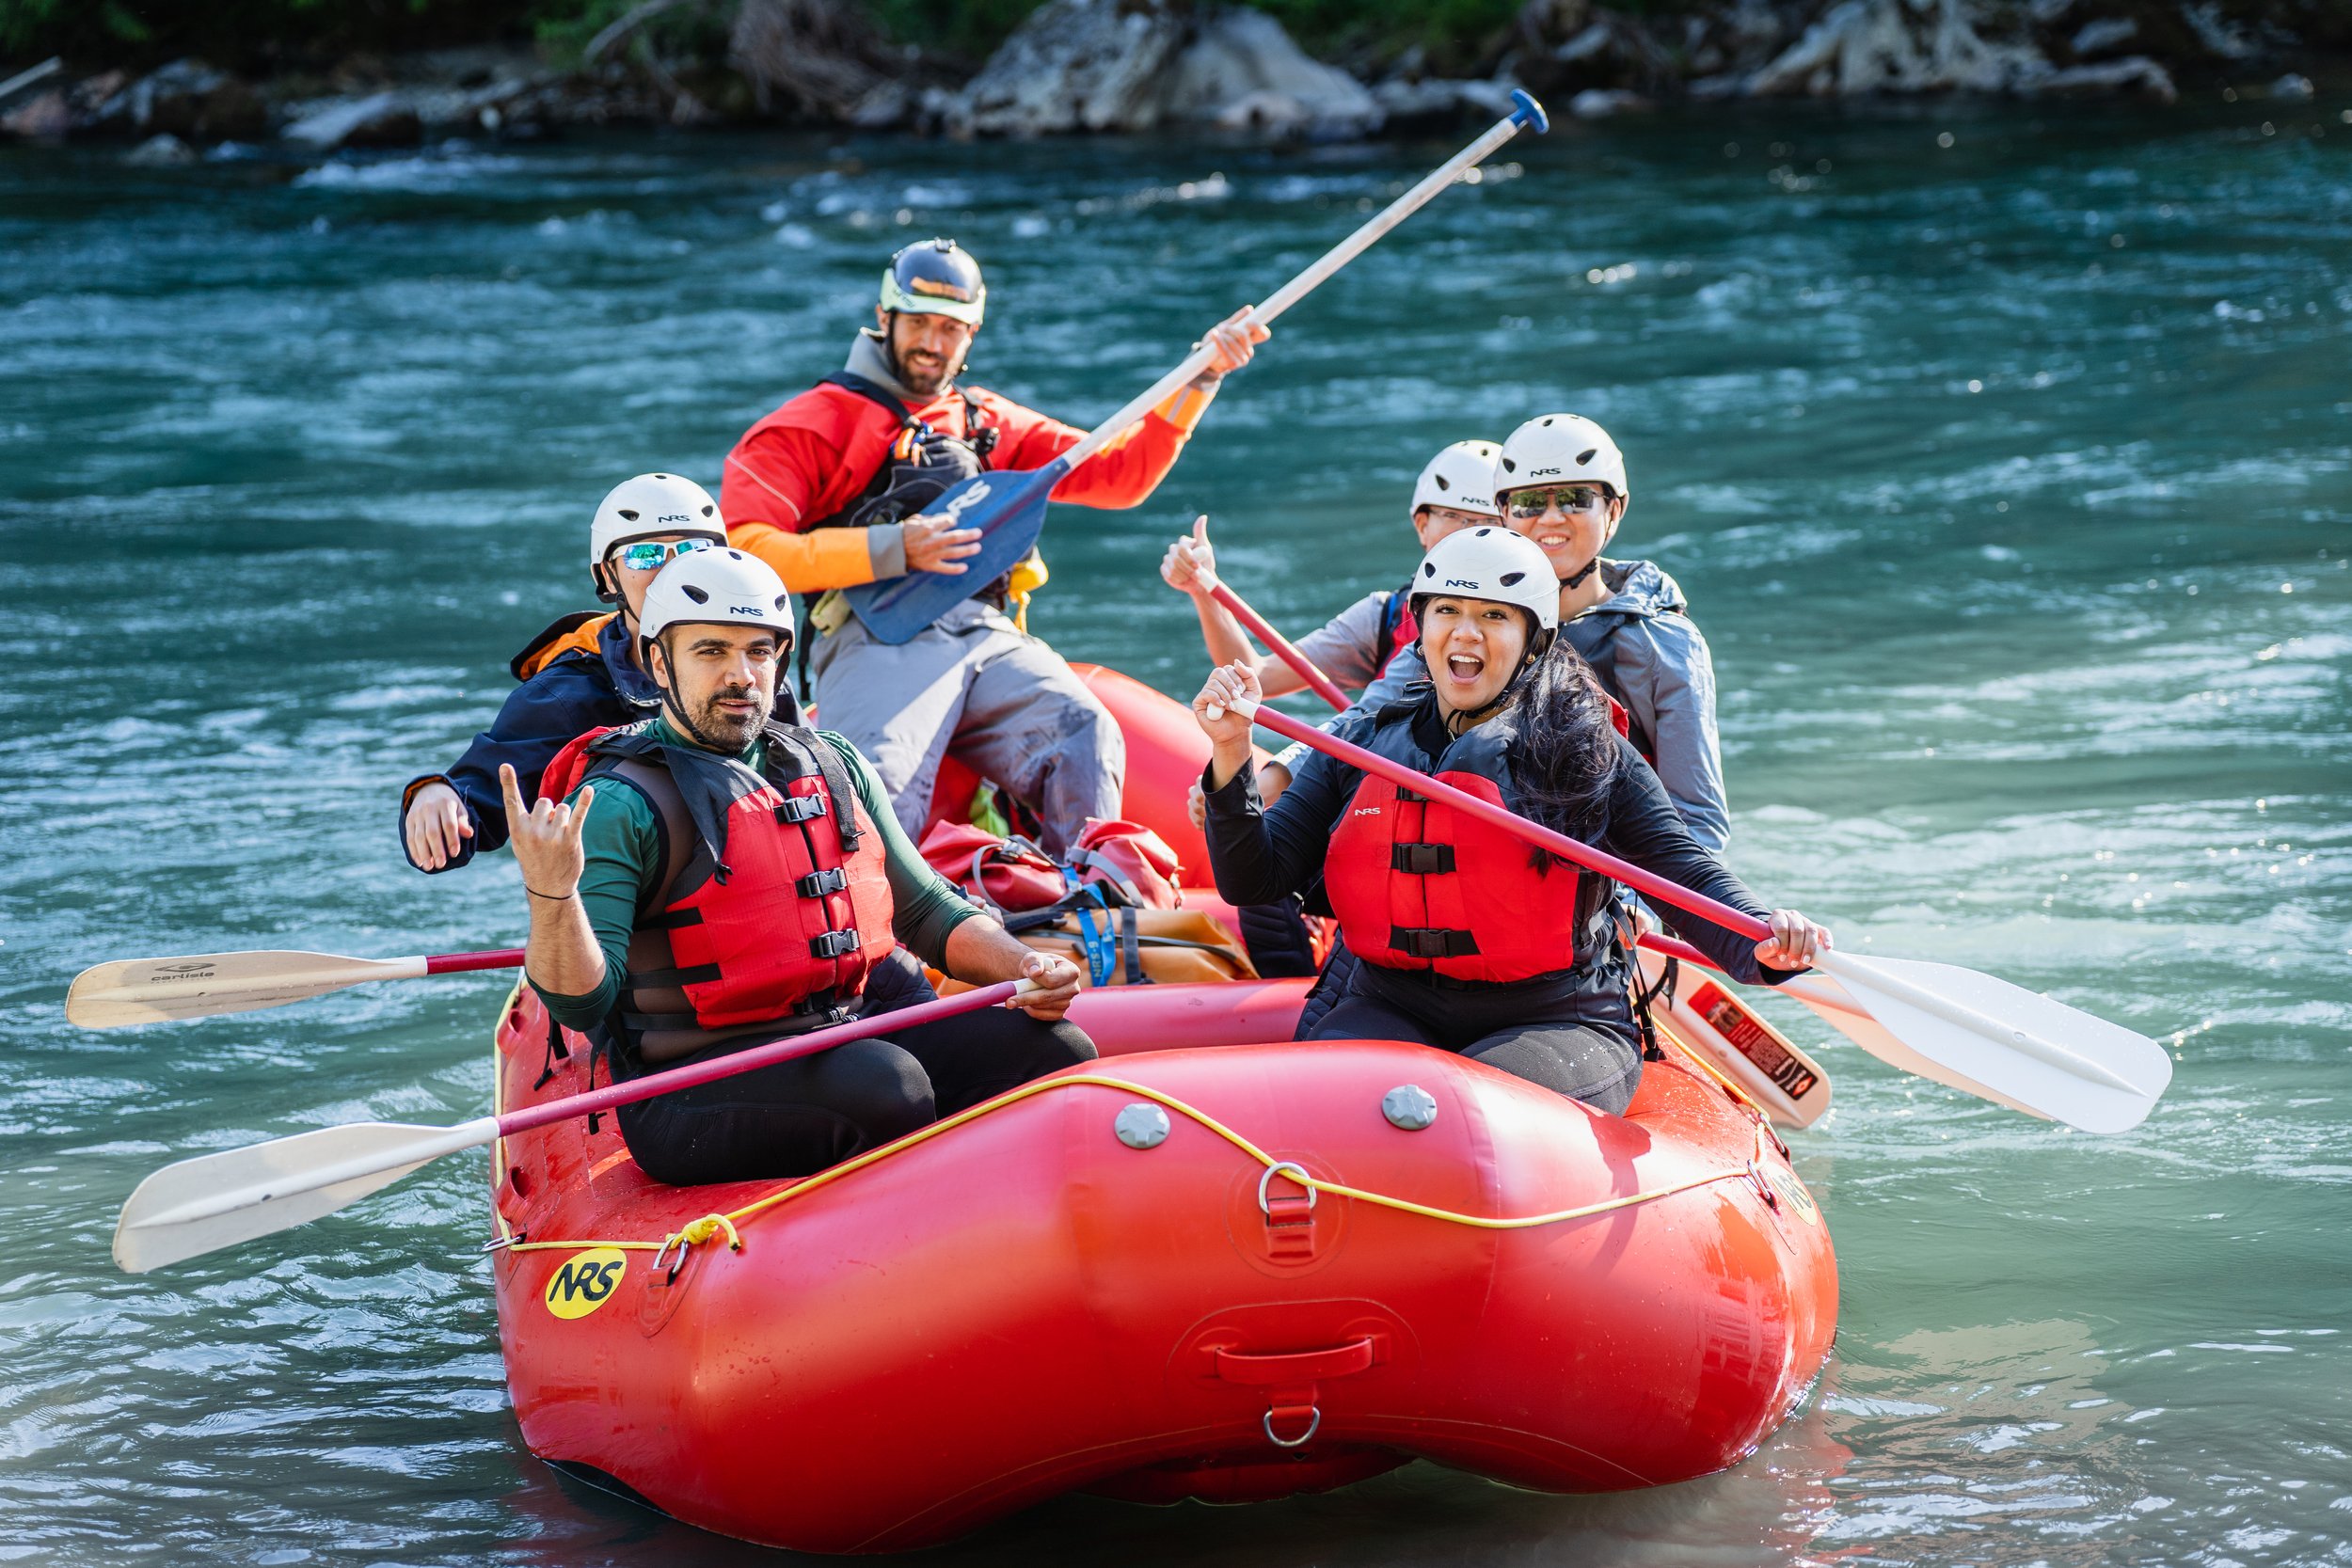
[(622, 845)]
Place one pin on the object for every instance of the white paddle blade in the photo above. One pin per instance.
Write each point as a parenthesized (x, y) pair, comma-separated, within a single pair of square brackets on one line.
[(217, 1200), (1999, 1041), (157, 991)]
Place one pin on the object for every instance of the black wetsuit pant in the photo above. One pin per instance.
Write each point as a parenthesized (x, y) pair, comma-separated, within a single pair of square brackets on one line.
[(1558, 1032), (800, 1117)]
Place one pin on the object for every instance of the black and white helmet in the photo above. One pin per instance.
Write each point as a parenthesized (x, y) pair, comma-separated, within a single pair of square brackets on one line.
[(935, 278)]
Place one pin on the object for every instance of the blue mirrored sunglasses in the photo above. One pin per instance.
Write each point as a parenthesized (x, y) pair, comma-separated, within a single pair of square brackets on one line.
[(651, 555)]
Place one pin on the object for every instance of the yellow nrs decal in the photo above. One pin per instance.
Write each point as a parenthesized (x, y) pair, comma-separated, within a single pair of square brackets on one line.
[(1794, 1196), (586, 1281)]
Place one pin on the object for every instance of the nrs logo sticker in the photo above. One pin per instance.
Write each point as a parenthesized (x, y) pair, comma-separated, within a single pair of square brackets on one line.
[(586, 1281)]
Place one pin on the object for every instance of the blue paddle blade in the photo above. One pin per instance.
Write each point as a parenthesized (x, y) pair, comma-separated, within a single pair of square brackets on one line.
[(1008, 509)]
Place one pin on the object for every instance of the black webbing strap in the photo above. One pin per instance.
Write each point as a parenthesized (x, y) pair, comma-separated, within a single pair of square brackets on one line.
[(816, 755), (1643, 998), (1422, 860), (1130, 951)]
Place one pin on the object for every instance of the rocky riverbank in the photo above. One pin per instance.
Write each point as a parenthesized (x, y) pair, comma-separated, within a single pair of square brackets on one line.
[(1076, 66)]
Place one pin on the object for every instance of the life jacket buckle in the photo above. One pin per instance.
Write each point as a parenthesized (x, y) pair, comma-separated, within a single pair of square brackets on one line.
[(1432, 942), (834, 944), (1422, 860), (801, 808), (818, 883)]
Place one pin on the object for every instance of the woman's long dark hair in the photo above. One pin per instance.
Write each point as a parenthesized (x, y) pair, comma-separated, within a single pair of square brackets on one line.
[(1564, 755)]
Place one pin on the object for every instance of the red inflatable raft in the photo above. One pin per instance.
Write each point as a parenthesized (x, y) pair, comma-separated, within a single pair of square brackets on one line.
[(1207, 1266), (1114, 1279)]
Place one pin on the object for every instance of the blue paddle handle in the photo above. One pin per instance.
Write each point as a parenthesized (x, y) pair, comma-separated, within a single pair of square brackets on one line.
[(1530, 114), (1009, 517)]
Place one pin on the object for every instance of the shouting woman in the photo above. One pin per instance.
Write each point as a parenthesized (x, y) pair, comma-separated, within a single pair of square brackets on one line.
[(1470, 940)]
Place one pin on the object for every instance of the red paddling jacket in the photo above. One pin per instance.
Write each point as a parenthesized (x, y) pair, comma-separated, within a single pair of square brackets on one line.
[(803, 465)]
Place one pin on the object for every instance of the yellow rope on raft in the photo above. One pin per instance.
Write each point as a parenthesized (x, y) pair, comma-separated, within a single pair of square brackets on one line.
[(1047, 1085)]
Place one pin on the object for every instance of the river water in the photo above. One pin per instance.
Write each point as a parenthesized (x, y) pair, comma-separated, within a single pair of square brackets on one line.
[(2009, 477)]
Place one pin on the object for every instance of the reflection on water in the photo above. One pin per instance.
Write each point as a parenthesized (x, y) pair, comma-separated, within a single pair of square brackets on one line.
[(2009, 482)]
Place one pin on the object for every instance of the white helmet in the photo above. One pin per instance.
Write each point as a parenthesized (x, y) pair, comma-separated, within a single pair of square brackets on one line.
[(649, 504), (1560, 449), (725, 588), (1489, 562), (1461, 477)]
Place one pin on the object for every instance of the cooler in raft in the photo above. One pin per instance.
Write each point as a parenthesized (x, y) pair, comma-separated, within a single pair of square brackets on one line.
[(1214, 1264)]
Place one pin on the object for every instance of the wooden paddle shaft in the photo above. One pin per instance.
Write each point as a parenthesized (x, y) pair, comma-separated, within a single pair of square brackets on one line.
[(1510, 822), (708, 1071), (1280, 646)]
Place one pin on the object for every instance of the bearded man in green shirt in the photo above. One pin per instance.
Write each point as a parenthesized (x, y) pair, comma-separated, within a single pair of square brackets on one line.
[(741, 879)]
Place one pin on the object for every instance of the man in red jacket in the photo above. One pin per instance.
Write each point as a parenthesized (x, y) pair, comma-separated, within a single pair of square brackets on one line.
[(830, 490)]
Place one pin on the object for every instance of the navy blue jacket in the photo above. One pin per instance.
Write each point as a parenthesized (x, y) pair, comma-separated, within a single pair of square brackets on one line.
[(574, 693)]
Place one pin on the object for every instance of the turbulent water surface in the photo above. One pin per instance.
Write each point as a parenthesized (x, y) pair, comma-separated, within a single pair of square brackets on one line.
[(2008, 479)]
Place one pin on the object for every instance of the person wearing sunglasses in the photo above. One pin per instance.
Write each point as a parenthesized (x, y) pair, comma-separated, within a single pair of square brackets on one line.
[(578, 674), (1560, 481)]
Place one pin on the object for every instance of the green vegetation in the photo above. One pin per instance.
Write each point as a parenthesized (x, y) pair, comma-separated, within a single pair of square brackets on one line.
[(1453, 35), (250, 35)]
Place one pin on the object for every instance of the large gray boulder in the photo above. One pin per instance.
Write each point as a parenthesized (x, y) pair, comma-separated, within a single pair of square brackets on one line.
[(1133, 65), (1074, 65), (1242, 71)]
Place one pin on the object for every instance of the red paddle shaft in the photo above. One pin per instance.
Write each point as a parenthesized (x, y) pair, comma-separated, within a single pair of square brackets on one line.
[(457, 963), (1280, 646), (1511, 822), (759, 1057)]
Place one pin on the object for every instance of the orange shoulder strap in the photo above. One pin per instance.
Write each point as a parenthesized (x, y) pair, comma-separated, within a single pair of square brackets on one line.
[(575, 633)]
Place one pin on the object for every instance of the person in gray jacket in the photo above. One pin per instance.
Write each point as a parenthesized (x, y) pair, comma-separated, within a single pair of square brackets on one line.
[(1560, 481)]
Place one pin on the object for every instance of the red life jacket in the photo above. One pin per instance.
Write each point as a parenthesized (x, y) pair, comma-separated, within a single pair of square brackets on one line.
[(779, 929), (1418, 884)]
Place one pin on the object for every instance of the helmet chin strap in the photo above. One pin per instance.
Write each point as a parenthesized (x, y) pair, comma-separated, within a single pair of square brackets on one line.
[(1578, 580)]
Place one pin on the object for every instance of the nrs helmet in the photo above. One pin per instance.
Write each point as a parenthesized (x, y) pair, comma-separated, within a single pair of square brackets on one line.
[(724, 587), (935, 278), (1560, 449), (1461, 478), (651, 505), (1493, 563)]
